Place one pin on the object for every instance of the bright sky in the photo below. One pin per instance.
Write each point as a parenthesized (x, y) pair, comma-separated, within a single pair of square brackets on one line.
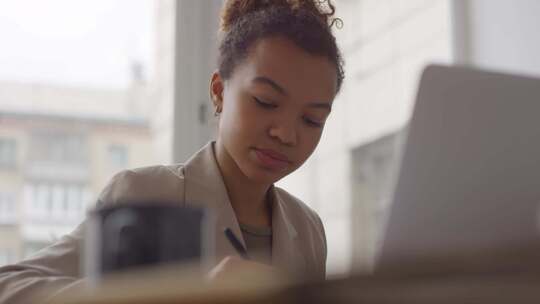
[(75, 42)]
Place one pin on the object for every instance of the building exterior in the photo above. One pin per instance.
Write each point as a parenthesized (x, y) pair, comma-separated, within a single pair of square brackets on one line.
[(59, 145), (54, 163)]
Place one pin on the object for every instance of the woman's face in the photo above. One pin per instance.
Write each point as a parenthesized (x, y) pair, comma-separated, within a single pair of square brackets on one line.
[(273, 108)]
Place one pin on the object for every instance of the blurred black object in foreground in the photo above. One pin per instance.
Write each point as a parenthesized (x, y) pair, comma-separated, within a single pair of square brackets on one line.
[(129, 236)]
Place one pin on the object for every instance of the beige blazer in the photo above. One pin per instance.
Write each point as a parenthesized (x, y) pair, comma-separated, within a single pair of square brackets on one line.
[(298, 244)]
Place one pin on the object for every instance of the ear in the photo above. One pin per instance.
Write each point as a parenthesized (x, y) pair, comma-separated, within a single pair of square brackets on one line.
[(216, 90)]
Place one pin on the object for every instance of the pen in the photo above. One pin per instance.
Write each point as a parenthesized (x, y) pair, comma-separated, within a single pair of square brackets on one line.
[(236, 243)]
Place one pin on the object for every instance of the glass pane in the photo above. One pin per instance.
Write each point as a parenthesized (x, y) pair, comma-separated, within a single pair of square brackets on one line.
[(76, 86)]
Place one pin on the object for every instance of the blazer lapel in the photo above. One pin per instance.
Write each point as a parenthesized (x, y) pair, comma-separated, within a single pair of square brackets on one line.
[(204, 187), (285, 252)]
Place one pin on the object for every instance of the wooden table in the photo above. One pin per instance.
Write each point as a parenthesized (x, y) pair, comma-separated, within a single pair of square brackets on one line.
[(509, 276)]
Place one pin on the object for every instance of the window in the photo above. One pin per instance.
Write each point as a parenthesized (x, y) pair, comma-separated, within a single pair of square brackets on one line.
[(8, 153), (58, 202), (58, 147), (70, 91), (375, 164), (118, 156), (41, 196), (8, 210), (7, 256), (75, 200), (31, 247)]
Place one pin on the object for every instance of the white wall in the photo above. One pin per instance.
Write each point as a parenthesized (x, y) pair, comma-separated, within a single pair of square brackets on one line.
[(498, 34)]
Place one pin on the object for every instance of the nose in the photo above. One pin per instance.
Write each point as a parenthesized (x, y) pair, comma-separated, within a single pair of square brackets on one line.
[(284, 131)]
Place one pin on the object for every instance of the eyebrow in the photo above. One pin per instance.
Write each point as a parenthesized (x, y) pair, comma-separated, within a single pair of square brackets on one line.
[(270, 82), (282, 91), (321, 105)]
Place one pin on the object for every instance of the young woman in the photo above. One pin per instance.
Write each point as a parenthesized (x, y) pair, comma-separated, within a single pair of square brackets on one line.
[(279, 69)]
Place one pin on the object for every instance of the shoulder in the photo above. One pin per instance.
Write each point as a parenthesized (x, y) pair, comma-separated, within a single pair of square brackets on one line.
[(159, 172), (163, 183)]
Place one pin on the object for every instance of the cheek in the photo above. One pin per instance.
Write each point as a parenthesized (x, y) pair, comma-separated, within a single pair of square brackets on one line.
[(238, 119), (309, 140)]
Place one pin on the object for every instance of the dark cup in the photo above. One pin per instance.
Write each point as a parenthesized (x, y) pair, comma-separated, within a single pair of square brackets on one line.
[(126, 237)]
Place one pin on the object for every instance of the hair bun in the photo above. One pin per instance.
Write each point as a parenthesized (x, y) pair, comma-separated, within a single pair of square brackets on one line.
[(234, 9)]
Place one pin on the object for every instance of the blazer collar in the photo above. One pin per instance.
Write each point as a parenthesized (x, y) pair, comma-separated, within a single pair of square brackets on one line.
[(204, 186), (286, 253)]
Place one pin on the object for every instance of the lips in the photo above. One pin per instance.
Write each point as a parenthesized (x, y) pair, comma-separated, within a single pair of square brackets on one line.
[(272, 159), (274, 154)]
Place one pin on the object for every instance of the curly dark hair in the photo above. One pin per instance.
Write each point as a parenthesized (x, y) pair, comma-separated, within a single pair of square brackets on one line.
[(307, 23)]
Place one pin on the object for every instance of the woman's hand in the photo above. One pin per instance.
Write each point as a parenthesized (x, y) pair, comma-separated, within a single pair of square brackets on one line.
[(238, 267)]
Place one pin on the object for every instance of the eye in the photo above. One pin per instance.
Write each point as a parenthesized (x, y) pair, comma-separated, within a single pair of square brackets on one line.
[(312, 123), (263, 104)]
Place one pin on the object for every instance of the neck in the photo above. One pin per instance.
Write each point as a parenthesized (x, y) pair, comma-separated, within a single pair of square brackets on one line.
[(248, 198)]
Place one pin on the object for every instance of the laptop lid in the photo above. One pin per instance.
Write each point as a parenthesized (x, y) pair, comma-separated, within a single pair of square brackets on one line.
[(470, 172)]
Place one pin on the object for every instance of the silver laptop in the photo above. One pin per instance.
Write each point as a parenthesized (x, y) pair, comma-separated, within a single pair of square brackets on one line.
[(470, 172)]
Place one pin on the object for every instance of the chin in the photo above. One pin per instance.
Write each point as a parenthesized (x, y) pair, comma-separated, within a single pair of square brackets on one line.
[(263, 176)]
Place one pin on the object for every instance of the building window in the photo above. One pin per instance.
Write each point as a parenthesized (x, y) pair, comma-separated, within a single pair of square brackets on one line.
[(75, 199), (118, 156), (7, 256), (42, 195), (375, 166), (8, 210), (59, 148), (8, 153), (31, 247), (56, 201)]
